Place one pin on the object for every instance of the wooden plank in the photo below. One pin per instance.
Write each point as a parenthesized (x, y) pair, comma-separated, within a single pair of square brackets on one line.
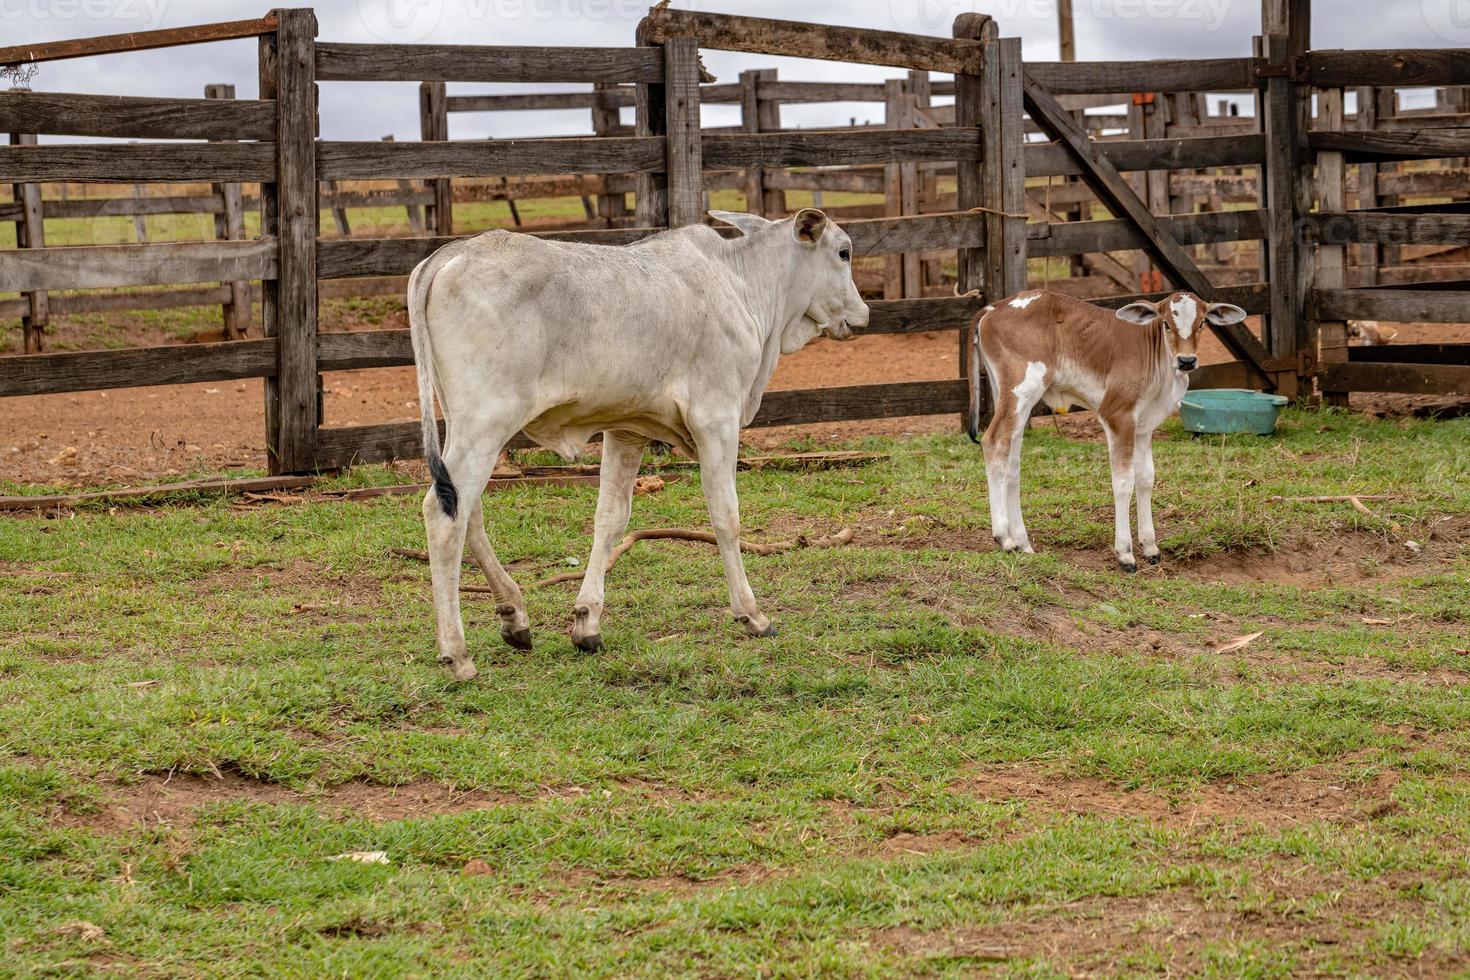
[(190, 488), (651, 196), (891, 236), (99, 207), (96, 266), (1254, 297), (484, 63), (896, 95), (683, 154), (351, 160), (750, 122), (229, 225), (1053, 160), (971, 110), (109, 163), (813, 149), (1411, 379), (792, 93), (1339, 228), (434, 127), (43, 374), (1331, 267), (1412, 354), (62, 114), (613, 97), (69, 304), (135, 41), (1110, 187), (293, 415), (1177, 75), (1397, 67), (30, 233), (1287, 189), (1394, 145), (1399, 305), (1080, 237), (844, 181), (825, 42), (1011, 264)]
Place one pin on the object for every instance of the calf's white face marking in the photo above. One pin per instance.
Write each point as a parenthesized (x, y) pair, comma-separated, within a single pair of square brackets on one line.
[(1186, 313)]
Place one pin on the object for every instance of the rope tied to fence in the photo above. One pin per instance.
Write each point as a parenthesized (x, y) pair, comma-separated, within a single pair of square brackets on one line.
[(1003, 214)]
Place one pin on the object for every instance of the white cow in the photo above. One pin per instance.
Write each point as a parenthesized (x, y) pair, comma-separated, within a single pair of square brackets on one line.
[(671, 339)]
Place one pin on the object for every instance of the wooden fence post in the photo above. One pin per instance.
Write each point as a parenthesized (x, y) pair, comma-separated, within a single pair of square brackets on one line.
[(768, 117), (434, 127), (652, 204), (289, 212), (415, 216), (1368, 253), (1286, 27), (969, 113), (683, 154), (229, 225), (612, 206), (1331, 266), (895, 116), (1004, 183), (750, 122), (30, 232)]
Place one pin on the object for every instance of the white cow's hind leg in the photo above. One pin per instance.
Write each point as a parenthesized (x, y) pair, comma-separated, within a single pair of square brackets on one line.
[(1143, 471), (515, 625), (719, 445), (469, 461), (621, 453), (1119, 431)]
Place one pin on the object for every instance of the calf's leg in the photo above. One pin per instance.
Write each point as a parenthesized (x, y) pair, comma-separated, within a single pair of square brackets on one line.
[(1143, 471), (621, 452), (1119, 429), (1015, 397), (510, 606), (719, 444)]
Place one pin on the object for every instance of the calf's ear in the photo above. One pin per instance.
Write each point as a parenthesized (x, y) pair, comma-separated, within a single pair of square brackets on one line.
[(747, 223), (1224, 314), (809, 225), (1140, 313)]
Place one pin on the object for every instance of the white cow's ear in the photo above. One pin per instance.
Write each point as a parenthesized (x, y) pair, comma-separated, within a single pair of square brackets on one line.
[(1139, 313), (809, 225), (748, 223), (1224, 314)]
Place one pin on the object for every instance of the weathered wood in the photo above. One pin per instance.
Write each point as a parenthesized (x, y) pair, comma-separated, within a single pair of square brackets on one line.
[(1072, 238), (1399, 67), (792, 93), (99, 207), (815, 149), (1398, 305), (1331, 267), (43, 374), (1413, 354), (229, 225), (1010, 264), (62, 114), (1394, 145), (191, 487), (651, 195), (488, 158), (750, 122), (683, 157), (1254, 297), (1052, 160), (1110, 187), (1341, 228), (1097, 77), (434, 127), (972, 107), (1411, 379), (914, 233), (69, 304), (135, 41), (95, 266), (30, 233), (894, 117), (291, 299), (483, 63), (109, 163), (760, 35)]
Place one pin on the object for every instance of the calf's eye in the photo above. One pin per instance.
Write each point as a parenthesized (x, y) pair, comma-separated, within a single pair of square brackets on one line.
[(845, 255)]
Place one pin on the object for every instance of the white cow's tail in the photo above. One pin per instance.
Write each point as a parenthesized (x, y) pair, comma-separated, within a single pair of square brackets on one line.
[(978, 380), (419, 284)]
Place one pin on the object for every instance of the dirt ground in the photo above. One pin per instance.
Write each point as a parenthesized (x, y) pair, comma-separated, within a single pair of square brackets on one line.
[(143, 434)]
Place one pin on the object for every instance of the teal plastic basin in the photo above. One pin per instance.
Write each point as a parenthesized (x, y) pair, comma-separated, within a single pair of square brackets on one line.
[(1223, 410)]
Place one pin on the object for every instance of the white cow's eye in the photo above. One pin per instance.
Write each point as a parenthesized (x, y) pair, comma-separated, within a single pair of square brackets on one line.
[(845, 255)]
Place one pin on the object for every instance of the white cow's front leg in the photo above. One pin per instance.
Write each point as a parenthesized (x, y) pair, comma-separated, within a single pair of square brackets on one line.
[(1143, 471), (621, 453), (718, 449), (1120, 453)]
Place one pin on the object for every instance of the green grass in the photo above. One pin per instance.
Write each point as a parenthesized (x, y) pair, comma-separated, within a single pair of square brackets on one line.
[(693, 802)]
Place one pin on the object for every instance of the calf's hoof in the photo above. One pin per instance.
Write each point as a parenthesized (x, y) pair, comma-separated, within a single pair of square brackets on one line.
[(463, 670), (1154, 559), (518, 638), (1128, 564), (589, 644)]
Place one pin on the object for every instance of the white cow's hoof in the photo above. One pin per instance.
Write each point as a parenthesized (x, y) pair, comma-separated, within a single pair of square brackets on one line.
[(757, 625), (1128, 563), (463, 670), (589, 644), (1154, 558), (518, 638)]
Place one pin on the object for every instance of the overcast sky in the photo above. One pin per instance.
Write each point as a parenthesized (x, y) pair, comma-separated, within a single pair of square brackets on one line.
[(1106, 30)]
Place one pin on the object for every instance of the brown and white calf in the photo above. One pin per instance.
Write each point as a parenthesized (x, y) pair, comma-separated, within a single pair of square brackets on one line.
[(1131, 366)]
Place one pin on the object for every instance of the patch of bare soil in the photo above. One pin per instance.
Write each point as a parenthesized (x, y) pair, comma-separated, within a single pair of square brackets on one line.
[(1097, 936), (174, 801), (1275, 800)]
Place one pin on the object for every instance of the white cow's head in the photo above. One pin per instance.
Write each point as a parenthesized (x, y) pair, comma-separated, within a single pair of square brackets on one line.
[(816, 256)]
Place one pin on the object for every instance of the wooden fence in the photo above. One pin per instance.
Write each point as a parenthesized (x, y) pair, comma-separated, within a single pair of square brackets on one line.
[(999, 103)]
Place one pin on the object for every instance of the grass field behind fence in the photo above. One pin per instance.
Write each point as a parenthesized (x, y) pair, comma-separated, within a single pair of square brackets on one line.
[(948, 760)]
